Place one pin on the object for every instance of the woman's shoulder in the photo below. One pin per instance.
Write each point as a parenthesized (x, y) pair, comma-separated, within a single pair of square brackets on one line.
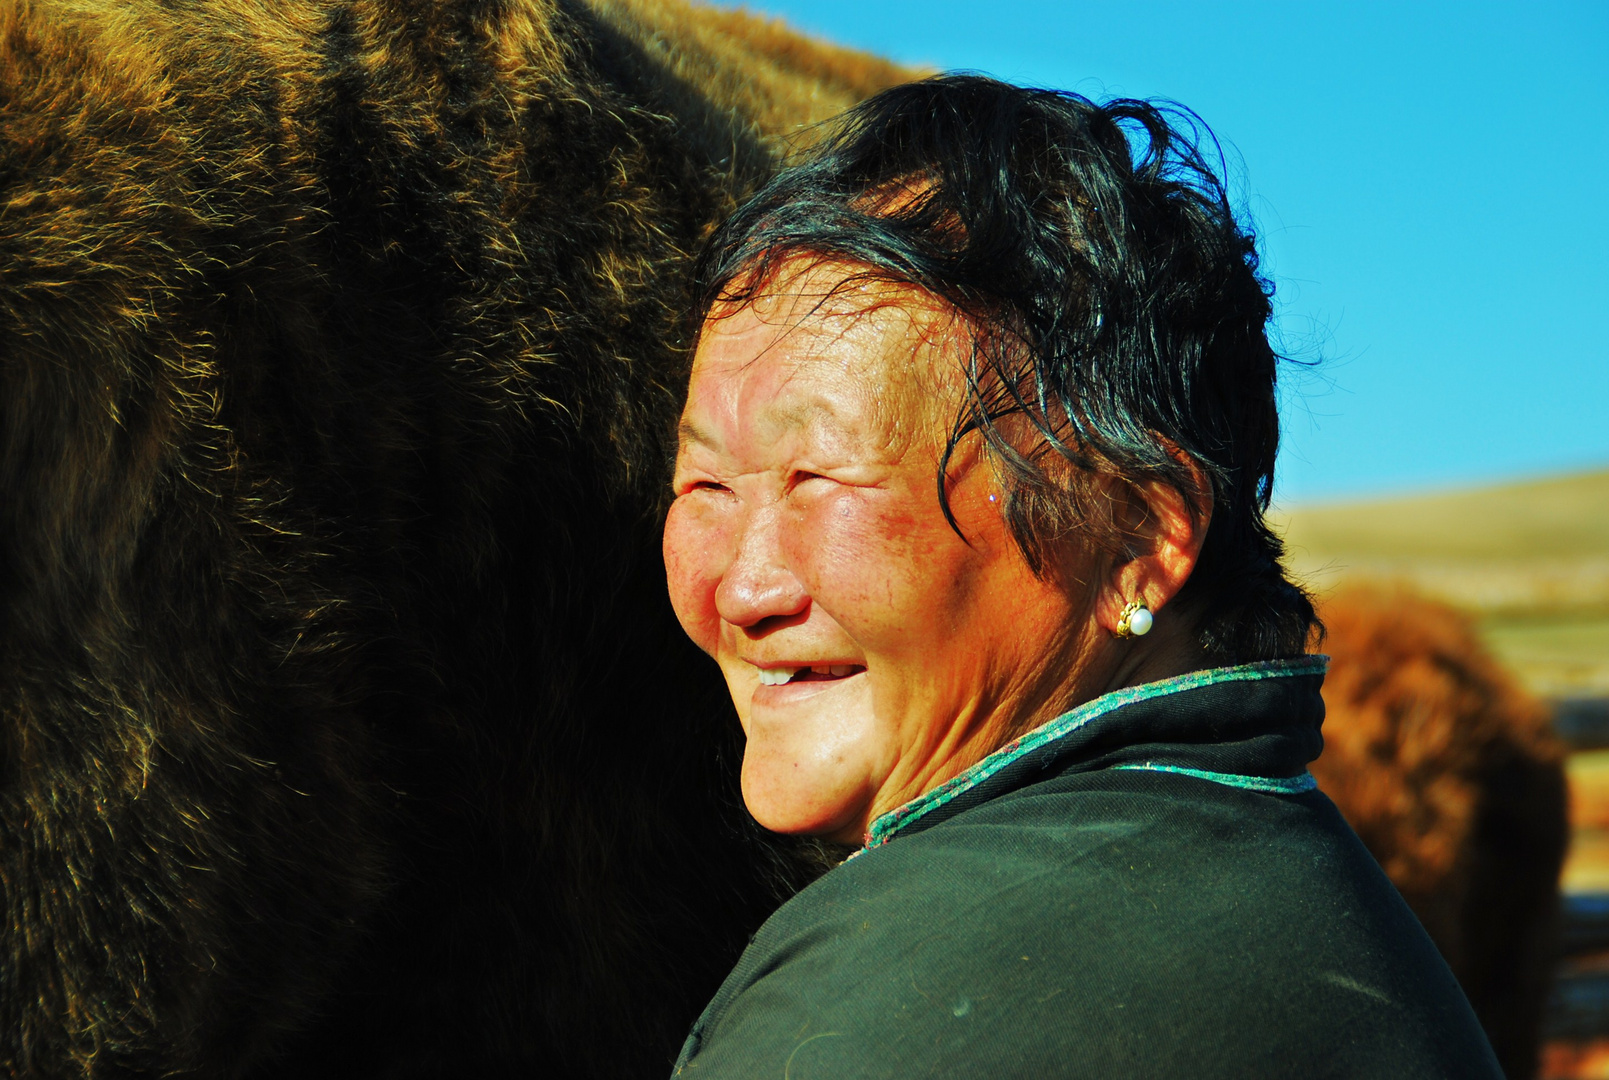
[(1079, 831), (1131, 924)]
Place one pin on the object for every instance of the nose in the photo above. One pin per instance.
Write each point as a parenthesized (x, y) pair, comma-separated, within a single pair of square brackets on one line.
[(758, 585)]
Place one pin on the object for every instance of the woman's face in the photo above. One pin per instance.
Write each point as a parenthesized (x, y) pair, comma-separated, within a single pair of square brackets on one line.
[(871, 652)]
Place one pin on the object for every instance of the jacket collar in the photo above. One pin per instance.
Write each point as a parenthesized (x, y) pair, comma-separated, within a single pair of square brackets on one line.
[(1253, 726)]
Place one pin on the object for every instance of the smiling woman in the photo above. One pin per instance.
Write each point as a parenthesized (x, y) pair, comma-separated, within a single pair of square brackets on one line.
[(978, 439), (872, 648)]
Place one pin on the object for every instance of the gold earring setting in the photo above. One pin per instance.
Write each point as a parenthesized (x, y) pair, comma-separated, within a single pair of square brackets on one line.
[(1135, 621)]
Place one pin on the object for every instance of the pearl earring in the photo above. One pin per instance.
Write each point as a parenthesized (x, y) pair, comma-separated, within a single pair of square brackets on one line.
[(1135, 621)]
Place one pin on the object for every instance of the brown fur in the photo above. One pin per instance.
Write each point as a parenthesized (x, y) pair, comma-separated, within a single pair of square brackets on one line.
[(756, 67), (345, 728), (1452, 776)]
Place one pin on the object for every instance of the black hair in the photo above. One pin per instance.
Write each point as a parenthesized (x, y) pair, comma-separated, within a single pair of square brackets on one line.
[(1115, 302)]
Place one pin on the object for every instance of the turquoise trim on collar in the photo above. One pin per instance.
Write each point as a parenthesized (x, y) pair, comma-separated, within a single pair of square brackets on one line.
[(1268, 785), (883, 829)]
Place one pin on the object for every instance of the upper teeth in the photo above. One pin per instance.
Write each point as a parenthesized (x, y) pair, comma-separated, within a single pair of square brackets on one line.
[(778, 676)]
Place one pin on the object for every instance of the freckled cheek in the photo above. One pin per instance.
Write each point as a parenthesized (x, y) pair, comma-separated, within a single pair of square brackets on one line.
[(864, 562), (694, 543)]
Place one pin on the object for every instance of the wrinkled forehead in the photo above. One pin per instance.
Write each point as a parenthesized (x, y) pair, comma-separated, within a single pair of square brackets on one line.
[(823, 321)]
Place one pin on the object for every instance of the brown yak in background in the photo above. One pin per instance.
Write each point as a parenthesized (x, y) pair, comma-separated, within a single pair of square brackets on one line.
[(345, 728), (1454, 779)]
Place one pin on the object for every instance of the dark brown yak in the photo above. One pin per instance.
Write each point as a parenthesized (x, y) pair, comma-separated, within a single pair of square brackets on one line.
[(345, 727)]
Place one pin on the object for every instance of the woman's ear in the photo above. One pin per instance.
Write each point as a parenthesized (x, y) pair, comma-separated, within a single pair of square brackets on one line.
[(1166, 530)]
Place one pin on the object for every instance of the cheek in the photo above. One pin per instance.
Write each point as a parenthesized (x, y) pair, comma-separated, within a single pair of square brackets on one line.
[(693, 570), (877, 561)]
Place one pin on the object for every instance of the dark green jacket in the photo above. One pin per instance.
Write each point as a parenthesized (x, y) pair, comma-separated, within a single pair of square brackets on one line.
[(1148, 886)]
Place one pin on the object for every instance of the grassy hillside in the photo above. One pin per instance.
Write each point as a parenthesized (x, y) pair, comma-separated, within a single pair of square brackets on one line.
[(1531, 560), (1557, 517)]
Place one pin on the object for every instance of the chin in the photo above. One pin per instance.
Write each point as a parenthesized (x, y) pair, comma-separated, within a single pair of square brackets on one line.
[(802, 813)]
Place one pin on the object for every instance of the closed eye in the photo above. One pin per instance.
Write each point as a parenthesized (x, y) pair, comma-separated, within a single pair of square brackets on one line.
[(684, 484)]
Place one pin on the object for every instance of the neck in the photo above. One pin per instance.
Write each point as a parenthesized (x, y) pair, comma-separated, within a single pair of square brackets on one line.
[(1168, 650)]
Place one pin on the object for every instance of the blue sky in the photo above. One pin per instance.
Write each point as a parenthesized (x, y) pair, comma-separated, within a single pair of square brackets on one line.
[(1430, 182)]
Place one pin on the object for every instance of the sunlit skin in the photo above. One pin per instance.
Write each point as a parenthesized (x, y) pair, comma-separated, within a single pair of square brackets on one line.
[(807, 533)]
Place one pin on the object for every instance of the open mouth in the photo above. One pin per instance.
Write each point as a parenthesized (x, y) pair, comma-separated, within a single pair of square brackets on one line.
[(812, 673)]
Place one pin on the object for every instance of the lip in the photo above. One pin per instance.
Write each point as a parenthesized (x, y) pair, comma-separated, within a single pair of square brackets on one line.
[(791, 693), (796, 665)]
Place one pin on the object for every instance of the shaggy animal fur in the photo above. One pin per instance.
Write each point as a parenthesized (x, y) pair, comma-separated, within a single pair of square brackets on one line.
[(1453, 778), (345, 728)]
